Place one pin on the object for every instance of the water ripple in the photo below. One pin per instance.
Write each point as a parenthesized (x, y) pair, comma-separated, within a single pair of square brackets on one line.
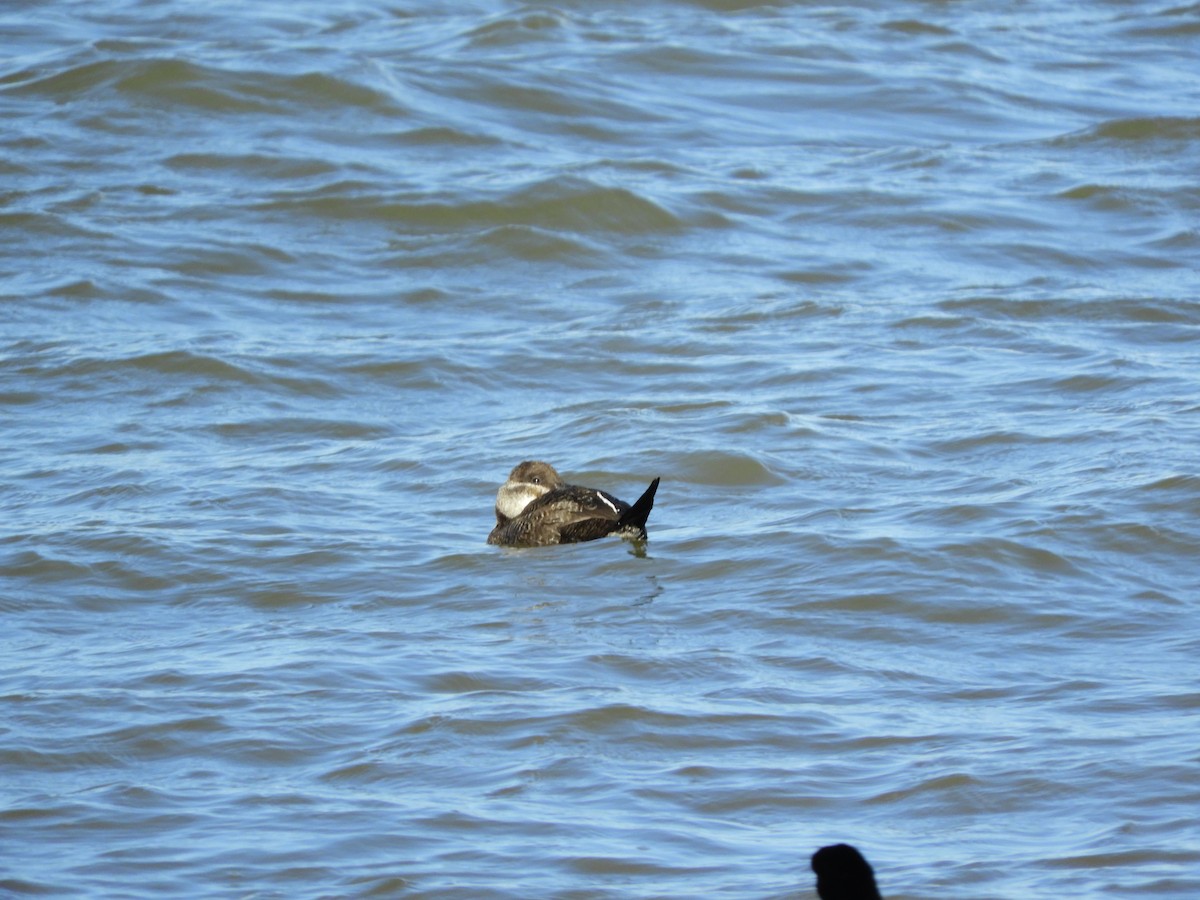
[(899, 302)]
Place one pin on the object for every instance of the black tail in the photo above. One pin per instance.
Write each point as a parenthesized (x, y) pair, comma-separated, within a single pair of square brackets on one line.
[(636, 515)]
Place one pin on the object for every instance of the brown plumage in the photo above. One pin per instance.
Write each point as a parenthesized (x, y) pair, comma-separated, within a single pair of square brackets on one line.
[(535, 508)]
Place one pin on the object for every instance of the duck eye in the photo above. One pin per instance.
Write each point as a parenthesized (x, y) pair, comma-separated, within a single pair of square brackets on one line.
[(536, 480)]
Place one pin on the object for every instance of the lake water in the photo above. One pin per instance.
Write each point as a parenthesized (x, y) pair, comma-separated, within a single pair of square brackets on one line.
[(899, 299)]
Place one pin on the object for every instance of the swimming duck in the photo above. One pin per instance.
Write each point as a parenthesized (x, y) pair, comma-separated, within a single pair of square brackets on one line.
[(844, 874), (535, 508)]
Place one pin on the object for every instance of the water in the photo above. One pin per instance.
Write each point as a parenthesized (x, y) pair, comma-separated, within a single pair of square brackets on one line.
[(900, 301)]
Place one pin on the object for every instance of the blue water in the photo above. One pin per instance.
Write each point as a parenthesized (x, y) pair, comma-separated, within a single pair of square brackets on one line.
[(899, 300)]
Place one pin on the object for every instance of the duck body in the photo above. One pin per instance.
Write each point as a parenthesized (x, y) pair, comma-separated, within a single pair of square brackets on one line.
[(536, 508)]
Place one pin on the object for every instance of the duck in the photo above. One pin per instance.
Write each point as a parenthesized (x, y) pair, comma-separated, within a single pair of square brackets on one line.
[(844, 874), (536, 508)]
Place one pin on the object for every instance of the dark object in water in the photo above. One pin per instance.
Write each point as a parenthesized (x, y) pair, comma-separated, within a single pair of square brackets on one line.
[(844, 874), (535, 508)]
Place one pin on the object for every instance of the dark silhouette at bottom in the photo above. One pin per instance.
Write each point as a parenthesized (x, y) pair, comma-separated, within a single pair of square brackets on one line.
[(843, 874)]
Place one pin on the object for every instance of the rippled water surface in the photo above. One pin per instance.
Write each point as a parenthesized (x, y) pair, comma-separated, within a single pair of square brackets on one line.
[(899, 299)]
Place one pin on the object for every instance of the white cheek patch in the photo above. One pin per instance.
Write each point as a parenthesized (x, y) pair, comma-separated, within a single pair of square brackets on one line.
[(608, 503)]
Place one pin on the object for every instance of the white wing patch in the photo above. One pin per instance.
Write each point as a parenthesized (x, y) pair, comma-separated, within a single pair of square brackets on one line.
[(608, 503)]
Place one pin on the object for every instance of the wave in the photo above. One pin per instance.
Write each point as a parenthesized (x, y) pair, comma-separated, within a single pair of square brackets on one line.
[(179, 82), (1099, 309), (1183, 130), (561, 204)]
